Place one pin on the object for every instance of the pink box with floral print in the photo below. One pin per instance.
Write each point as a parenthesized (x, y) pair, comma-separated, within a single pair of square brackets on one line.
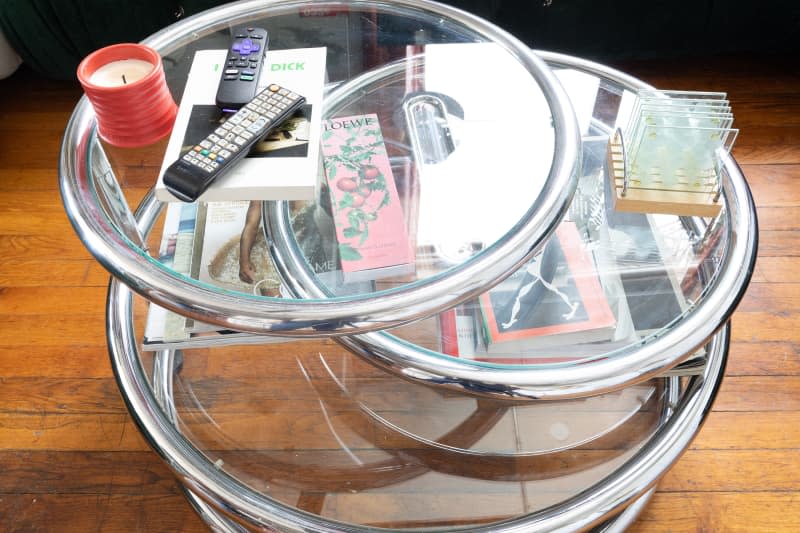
[(370, 226)]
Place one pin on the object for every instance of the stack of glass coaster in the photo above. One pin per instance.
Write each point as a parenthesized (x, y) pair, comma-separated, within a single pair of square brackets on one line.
[(668, 158)]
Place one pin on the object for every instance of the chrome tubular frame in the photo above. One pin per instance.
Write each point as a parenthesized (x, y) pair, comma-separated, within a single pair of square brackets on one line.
[(236, 500), (329, 316), (554, 382)]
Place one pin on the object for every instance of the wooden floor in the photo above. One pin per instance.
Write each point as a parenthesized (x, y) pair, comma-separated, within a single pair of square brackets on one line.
[(72, 460)]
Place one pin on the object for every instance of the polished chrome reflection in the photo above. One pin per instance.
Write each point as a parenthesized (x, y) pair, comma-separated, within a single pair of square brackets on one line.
[(328, 317), (617, 490), (621, 368)]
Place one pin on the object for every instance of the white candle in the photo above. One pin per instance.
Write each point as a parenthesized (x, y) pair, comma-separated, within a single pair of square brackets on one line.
[(121, 72)]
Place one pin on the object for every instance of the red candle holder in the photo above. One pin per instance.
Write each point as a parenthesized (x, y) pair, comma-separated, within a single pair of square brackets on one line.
[(126, 86)]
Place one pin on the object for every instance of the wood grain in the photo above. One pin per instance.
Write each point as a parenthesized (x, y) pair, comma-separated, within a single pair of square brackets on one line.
[(74, 460)]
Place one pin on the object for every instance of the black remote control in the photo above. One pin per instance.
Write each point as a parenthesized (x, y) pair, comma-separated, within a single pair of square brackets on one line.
[(239, 80), (188, 177)]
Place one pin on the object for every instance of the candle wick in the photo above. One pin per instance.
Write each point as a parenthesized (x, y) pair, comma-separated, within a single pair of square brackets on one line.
[(124, 80)]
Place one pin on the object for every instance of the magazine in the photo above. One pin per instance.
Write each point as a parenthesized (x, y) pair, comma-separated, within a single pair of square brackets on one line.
[(283, 166), (231, 251), (203, 241), (555, 300), (368, 217), (175, 251)]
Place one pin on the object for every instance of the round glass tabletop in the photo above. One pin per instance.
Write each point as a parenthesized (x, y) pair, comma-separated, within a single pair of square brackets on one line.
[(305, 436), (520, 160), (613, 297)]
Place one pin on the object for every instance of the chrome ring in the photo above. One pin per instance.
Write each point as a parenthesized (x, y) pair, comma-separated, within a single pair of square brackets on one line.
[(554, 382), (324, 317), (231, 497)]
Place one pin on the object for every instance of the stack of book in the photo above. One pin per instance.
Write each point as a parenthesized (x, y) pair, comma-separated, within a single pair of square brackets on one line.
[(283, 165), (552, 309)]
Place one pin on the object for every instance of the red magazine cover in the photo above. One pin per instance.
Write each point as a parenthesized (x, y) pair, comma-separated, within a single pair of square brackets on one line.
[(370, 224), (554, 301)]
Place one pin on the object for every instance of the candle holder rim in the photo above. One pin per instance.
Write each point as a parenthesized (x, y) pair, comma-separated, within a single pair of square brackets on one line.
[(147, 53)]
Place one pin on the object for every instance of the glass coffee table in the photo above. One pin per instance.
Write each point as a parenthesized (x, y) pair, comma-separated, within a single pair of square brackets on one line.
[(400, 402)]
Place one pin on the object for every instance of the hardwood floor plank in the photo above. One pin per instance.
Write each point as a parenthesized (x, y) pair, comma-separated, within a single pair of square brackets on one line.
[(75, 329), (46, 272), (734, 471), (109, 513), (779, 218), (731, 512), (38, 301), (55, 361), (780, 358), (756, 431), (778, 243), (70, 432), (764, 326), (41, 472), (779, 269), (756, 394), (773, 185)]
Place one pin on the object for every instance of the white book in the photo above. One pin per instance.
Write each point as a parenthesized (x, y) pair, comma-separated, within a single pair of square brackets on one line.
[(502, 148), (283, 166)]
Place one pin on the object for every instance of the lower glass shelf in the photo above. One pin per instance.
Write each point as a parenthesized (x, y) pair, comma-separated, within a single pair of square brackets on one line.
[(305, 436)]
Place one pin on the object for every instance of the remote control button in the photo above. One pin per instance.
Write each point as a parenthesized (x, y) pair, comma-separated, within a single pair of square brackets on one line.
[(224, 153), (257, 125), (232, 71), (274, 87), (246, 77), (239, 140), (242, 64), (246, 135), (220, 159), (197, 148)]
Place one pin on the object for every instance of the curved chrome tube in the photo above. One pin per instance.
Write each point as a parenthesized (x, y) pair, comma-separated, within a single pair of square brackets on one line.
[(617, 524), (232, 498), (329, 316), (554, 382)]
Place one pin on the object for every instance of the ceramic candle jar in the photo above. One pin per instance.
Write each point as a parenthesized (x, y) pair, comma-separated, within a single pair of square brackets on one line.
[(126, 86)]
